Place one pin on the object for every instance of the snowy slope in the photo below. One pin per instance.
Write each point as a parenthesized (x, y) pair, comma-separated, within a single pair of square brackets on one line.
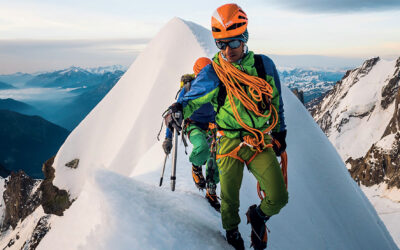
[(361, 117), (357, 117), (120, 206)]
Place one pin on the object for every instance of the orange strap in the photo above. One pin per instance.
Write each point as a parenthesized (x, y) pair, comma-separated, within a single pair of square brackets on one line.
[(234, 153)]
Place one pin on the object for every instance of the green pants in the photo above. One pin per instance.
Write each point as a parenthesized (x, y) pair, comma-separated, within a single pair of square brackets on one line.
[(201, 154), (265, 169)]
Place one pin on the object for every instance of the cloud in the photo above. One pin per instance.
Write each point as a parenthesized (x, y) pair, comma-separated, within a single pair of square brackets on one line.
[(338, 6), (38, 55), (6, 46), (36, 94)]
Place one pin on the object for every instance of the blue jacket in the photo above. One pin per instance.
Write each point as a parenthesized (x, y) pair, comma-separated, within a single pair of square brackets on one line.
[(204, 115)]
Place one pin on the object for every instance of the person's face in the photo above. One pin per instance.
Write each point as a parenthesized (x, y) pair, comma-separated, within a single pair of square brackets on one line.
[(231, 54)]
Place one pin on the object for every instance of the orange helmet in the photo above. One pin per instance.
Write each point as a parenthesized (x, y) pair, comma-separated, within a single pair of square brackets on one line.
[(229, 20), (200, 64)]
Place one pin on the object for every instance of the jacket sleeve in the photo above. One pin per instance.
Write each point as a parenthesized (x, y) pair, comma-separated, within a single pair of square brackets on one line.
[(204, 89), (281, 115), (272, 74)]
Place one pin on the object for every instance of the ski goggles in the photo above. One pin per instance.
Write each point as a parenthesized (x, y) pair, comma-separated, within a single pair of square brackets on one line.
[(233, 44)]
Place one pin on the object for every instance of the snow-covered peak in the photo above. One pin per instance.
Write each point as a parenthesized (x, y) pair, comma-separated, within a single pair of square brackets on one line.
[(72, 69), (105, 69), (120, 206), (131, 113)]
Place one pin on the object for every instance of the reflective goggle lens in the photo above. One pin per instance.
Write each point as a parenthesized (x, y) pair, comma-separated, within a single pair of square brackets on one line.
[(234, 44)]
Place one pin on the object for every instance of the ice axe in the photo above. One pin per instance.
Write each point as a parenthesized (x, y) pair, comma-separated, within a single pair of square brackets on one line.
[(163, 169)]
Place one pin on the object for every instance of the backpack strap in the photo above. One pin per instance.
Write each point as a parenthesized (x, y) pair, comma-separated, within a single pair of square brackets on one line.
[(259, 65), (221, 96)]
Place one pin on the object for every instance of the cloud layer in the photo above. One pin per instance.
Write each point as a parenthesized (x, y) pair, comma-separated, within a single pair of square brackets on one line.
[(37, 55), (338, 6)]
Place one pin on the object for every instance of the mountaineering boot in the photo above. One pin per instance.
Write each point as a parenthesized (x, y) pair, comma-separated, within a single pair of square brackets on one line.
[(198, 177), (257, 220), (235, 239), (212, 198)]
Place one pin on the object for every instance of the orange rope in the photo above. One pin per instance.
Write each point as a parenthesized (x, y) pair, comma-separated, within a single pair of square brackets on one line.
[(232, 79)]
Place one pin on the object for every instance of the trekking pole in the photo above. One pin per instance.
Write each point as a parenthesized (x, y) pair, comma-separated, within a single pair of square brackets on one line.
[(174, 156), (162, 173), (177, 117)]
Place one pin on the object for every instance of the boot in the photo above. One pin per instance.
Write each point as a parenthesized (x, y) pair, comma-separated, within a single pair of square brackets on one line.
[(257, 220), (212, 198), (235, 239), (198, 177)]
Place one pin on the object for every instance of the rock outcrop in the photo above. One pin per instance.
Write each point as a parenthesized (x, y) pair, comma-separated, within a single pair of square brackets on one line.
[(54, 200), (21, 198)]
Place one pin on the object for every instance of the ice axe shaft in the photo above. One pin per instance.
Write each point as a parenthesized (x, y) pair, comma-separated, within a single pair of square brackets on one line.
[(174, 158), (163, 169)]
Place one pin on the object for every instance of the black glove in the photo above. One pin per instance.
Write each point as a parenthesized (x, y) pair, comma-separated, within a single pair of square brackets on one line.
[(280, 137), (167, 145), (174, 117)]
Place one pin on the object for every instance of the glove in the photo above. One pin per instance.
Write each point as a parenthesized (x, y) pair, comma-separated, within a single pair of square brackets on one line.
[(187, 78), (167, 145), (280, 137), (174, 117)]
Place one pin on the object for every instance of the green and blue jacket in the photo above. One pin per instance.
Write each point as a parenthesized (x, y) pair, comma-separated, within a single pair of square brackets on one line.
[(205, 88)]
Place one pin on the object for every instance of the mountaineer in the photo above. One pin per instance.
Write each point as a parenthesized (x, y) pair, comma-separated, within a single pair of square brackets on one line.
[(200, 129), (245, 92)]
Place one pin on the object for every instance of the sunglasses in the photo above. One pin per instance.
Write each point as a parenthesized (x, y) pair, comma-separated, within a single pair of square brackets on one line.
[(233, 44)]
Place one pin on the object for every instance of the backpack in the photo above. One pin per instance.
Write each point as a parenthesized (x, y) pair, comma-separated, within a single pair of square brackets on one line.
[(185, 83)]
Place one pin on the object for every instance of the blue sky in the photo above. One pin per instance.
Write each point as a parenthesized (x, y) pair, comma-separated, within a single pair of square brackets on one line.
[(43, 34)]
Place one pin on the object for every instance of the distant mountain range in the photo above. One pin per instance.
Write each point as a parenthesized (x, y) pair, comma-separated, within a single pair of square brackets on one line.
[(4, 85), (28, 141), (313, 82), (16, 106), (17, 79), (73, 77), (74, 112), (54, 77)]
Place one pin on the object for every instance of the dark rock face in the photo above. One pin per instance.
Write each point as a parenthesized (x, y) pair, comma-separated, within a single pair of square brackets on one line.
[(18, 198), (54, 200), (366, 67), (23, 195), (394, 124), (41, 229), (391, 88), (326, 122), (299, 94), (378, 166)]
